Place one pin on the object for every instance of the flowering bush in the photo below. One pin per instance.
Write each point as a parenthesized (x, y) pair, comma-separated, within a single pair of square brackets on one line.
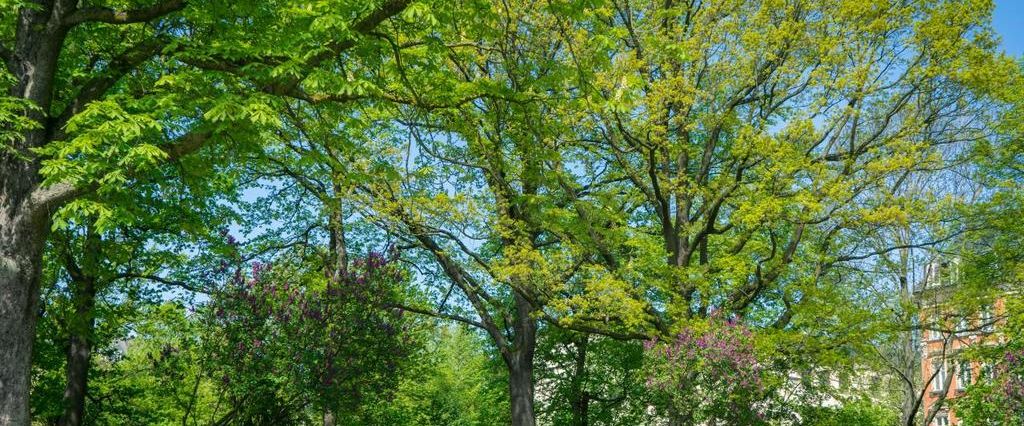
[(707, 375), (1010, 376), (997, 397), (284, 328)]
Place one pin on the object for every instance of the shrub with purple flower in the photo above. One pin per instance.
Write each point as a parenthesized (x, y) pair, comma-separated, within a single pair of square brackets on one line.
[(707, 373), (282, 331), (997, 395)]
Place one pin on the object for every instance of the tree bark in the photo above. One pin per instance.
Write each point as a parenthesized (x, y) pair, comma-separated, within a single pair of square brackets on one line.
[(80, 327), (21, 247), (24, 223), (79, 352), (520, 364), (580, 398)]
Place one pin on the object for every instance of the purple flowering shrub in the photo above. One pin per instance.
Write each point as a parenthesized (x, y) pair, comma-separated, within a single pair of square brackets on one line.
[(706, 375), (997, 394), (997, 397), (1010, 377), (282, 331)]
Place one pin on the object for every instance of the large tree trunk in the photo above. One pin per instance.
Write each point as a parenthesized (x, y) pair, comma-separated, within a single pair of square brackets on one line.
[(520, 386), (520, 364), (21, 249), (23, 221)]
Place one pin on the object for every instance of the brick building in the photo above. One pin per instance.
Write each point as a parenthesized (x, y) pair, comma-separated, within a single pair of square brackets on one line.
[(945, 332)]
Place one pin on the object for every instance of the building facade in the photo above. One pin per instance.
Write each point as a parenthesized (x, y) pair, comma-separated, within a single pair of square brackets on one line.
[(946, 332)]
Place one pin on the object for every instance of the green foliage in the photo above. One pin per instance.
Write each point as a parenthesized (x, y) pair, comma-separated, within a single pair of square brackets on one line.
[(854, 413), (454, 381), (708, 373), (153, 376), (602, 374), (607, 171), (284, 340)]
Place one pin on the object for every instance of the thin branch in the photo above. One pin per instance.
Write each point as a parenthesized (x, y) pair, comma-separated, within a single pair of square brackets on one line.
[(51, 197), (442, 315), (161, 280), (583, 328), (289, 86)]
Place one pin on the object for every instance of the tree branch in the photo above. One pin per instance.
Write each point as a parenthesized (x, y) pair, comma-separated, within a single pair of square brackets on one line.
[(435, 314), (50, 197), (289, 86), (161, 280), (100, 84), (113, 16)]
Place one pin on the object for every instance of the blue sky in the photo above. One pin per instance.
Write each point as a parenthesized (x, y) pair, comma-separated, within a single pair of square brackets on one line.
[(1009, 23)]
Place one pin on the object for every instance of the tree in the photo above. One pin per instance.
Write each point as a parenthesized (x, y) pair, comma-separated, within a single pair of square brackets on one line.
[(993, 269), (456, 382), (520, 261), (758, 140), (73, 124), (499, 241), (135, 241)]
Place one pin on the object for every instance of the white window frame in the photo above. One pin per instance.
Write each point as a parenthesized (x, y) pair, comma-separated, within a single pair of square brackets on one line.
[(986, 319), (963, 375), (942, 420), (933, 328)]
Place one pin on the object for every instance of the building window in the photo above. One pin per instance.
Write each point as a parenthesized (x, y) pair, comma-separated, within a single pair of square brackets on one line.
[(963, 375), (934, 333), (987, 319), (941, 420), (963, 326), (939, 376), (986, 371)]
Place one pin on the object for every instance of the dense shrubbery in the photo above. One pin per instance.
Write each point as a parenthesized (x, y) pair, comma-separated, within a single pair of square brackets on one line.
[(288, 338), (997, 397), (708, 374)]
